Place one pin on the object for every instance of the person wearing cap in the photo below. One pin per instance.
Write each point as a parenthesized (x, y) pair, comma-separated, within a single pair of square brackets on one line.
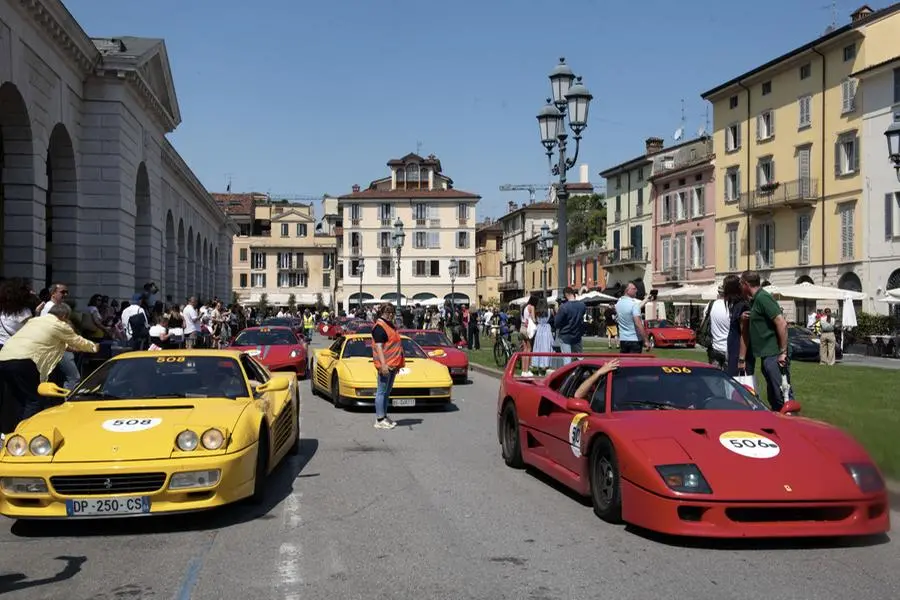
[(570, 324)]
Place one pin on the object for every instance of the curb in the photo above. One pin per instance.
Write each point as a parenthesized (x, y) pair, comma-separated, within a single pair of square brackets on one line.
[(893, 487)]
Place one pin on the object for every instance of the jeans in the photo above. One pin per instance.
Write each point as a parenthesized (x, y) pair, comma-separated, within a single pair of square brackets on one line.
[(383, 393), (772, 373), (69, 370), (626, 347), (573, 348)]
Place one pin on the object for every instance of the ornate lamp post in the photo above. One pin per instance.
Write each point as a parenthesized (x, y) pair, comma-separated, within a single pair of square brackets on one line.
[(572, 101), (399, 237), (454, 269), (893, 140), (359, 269), (545, 247)]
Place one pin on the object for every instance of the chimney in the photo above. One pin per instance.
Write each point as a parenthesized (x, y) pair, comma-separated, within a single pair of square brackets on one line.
[(355, 187), (654, 145), (861, 13), (583, 175), (511, 206)]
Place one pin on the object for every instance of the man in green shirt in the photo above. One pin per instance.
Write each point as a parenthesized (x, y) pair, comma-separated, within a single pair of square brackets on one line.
[(768, 338)]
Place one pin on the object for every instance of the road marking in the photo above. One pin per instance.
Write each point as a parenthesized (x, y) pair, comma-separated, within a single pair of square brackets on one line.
[(193, 571), (289, 566)]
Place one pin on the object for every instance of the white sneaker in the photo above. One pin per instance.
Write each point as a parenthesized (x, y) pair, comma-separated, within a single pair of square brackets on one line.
[(527, 374), (385, 424)]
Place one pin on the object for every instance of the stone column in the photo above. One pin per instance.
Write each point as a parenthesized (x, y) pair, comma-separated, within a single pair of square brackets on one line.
[(23, 209)]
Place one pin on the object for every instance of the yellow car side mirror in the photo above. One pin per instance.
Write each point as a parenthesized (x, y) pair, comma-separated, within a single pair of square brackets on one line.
[(276, 384), (51, 390)]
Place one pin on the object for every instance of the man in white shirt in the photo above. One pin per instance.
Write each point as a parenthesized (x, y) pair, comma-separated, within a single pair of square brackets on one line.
[(191, 322), (135, 322), (719, 325), (58, 294)]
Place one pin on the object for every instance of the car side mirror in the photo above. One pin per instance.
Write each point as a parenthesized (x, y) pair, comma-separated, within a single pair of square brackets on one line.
[(790, 407), (578, 405), (276, 384), (51, 390)]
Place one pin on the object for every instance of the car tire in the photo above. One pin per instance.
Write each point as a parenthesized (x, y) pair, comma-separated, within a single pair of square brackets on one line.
[(336, 392), (606, 491), (295, 448), (652, 341), (511, 440), (262, 467)]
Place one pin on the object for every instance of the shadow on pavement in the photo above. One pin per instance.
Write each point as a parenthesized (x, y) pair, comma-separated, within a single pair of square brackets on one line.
[(13, 582), (278, 487)]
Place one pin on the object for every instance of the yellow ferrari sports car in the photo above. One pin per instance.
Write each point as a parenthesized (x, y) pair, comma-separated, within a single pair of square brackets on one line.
[(149, 433), (345, 373)]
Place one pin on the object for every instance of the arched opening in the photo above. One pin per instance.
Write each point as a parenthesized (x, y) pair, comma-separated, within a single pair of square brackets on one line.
[(354, 302), (198, 261), (893, 283), (457, 298), (850, 281), (61, 212), (218, 288), (392, 297), (181, 289), (16, 184), (143, 233), (205, 278), (170, 273), (191, 283), (422, 296), (803, 307)]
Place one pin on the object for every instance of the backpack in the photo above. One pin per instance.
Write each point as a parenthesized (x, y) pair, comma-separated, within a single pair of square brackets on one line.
[(138, 325), (704, 333)]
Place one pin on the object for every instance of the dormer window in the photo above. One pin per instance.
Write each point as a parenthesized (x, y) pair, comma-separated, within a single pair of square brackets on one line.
[(401, 179), (412, 175)]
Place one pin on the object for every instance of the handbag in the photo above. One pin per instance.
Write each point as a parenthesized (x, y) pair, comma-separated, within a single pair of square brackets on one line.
[(531, 329), (748, 381), (704, 333)]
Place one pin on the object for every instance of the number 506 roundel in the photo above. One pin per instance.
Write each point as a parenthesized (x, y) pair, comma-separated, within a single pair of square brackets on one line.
[(749, 444)]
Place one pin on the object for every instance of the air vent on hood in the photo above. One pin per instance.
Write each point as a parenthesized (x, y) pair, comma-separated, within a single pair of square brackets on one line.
[(700, 431), (138, 407), (768, 430)]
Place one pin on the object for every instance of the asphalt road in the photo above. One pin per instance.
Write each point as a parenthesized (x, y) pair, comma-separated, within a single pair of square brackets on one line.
[(427, 510)]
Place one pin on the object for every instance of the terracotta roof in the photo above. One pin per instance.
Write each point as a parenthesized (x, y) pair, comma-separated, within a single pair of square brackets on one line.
[(579, 186), (432, 160), (236, 204), (488, 227), (373, 194)]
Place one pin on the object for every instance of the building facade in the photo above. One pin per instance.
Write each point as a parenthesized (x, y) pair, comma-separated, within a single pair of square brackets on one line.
[(683, 198), (629, 223), (520, 223), (92, 193), (537, 280), (880, 85), (791, 201), (586, 268), (488, 244), (439, 223), (279, 252)]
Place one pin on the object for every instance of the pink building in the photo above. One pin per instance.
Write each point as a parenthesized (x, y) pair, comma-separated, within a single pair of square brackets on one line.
[(683, 198)]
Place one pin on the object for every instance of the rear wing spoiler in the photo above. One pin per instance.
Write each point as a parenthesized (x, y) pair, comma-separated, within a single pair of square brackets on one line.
[(558, 359)]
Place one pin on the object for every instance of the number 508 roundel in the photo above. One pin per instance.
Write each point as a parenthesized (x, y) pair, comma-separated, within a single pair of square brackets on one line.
[(680, 447)]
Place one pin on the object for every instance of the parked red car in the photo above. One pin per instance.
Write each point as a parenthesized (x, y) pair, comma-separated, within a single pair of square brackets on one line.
[(439, 347), (278, 348), (665, 334), (332, 330)]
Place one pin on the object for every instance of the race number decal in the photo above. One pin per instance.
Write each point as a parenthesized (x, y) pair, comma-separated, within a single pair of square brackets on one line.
[(577, 429), (749, 444), (130, 425), (324, 328), (676, 370), (403, 371), (170, 359)]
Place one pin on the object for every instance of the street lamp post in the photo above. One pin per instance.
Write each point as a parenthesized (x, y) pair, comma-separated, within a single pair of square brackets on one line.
[(570, 101), (399, 237), (893, 140), (359, 269), (454, 268), (545, 246)]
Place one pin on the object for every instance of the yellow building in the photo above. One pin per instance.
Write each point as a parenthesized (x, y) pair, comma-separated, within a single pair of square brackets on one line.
[(535, 283), (488, 247), (787, 145), (279, 252)]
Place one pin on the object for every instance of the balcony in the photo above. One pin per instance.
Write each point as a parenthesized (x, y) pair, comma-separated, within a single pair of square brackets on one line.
[(508, 286), (385, 250), (356, 251), (434, 223), (627, 256), (799, 193), (354, 222), (421, 222), (463, 222), (386, 222)]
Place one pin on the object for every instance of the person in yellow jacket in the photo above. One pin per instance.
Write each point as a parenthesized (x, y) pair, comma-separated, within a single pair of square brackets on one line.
[(309, 323)]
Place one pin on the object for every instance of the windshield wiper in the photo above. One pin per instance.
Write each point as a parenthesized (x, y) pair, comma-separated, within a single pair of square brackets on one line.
[(95, 396), (649, 404)]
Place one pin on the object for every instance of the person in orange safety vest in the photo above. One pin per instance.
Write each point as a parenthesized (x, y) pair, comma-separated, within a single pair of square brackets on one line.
[(388, 358)]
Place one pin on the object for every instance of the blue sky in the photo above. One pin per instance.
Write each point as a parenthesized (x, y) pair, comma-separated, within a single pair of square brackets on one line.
[(307, 97)]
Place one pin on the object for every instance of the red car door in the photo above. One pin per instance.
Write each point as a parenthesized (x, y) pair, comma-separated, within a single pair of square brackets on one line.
[(560, 427)]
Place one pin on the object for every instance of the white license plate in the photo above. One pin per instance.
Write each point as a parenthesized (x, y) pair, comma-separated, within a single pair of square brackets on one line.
[(103, 507), (403, 402), (679, 344)]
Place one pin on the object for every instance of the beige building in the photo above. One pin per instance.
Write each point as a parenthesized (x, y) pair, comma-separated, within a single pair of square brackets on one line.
[(439, 223), (488, 244), (279, 251), (519, 224), (535, 281)]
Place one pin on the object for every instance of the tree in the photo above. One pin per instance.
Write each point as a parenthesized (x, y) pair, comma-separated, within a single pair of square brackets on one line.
[(586, 220), (292, 303)]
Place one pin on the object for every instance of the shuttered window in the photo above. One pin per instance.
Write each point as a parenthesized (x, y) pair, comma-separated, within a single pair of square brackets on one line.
[(848, 241), (805, 106), (848, 95), (732, 233), (803, 231), (765, 246), (666, 254)]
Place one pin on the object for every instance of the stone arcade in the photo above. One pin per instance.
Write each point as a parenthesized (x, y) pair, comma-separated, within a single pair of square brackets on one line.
[(92, 193)]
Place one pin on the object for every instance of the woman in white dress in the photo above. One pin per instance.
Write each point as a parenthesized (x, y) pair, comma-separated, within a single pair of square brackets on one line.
[(527, 332), (543, 338)]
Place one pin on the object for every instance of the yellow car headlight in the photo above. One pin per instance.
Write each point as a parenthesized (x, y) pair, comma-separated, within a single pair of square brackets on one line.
[(40, 446), (187, 440), (17, 445), (212, 439)]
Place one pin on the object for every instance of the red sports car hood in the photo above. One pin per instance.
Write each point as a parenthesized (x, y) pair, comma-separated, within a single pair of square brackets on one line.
[(451, 356), (752, 456), (271, 354)]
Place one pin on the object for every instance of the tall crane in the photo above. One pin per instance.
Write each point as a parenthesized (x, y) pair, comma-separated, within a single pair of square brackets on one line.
[(531, 187), (294, 198)]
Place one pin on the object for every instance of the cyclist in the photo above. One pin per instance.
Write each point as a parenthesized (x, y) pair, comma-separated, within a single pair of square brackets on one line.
[(504, 323)]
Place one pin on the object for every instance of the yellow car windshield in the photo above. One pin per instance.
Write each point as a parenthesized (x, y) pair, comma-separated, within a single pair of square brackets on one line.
[(158, 377), (362, 348)]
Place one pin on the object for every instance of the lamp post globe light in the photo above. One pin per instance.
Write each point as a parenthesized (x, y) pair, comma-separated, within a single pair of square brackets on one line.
[(570, 98), (453, 269), (545, 247), (399, 237), (893, 141), (361, 266)]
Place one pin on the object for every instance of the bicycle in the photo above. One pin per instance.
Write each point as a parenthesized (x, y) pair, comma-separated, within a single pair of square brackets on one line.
[(503, 347)]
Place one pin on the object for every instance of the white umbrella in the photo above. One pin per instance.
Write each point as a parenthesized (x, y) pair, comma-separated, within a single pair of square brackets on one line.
[(595, 297), (809, 291), (889, 300), (848, 317), (894, 293)]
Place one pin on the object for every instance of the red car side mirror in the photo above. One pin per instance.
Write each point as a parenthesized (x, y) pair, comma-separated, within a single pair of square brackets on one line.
[(578, 405), (790, 407)]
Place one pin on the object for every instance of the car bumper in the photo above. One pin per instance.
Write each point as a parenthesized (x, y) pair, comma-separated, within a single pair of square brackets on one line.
[(674, 343), (296, 365), (235, 483), (459, 374), (369, 401), (674, 516)]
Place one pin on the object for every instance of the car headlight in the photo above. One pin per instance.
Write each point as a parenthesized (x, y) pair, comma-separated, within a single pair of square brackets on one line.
[(40, 446), (187, 440), (365, 391), (684, 478), (194, 479), (17, 445), (23, 485), (440, 391), (295, 353), (212, 439), (866, 476)]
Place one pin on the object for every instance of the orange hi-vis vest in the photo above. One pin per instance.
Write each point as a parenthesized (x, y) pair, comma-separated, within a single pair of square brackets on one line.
[(392, 349)]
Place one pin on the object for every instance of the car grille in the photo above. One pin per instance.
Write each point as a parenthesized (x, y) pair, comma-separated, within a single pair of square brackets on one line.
[(96, 485), (410, 392)]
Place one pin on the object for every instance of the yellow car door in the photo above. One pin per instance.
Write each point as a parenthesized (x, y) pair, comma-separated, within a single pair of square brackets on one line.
[(275, 399), (326, 360)]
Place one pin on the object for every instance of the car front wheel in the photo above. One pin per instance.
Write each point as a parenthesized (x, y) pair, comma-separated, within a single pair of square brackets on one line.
[(606, 492), (510, 441)]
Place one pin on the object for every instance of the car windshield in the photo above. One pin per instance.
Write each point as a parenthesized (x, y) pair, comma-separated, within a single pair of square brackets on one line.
[(431, 338), (362, 348), (800, 333), (266, 337), (659, 324), (279, 322), (157, 377), (677, 387)]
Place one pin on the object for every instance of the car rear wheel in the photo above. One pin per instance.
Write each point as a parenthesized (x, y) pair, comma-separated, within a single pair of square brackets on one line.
[(606, 493), (262, 467), (510, 441)]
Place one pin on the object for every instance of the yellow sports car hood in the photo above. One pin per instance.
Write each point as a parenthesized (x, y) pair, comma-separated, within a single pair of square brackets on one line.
[(87, 431), (418, 372)]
